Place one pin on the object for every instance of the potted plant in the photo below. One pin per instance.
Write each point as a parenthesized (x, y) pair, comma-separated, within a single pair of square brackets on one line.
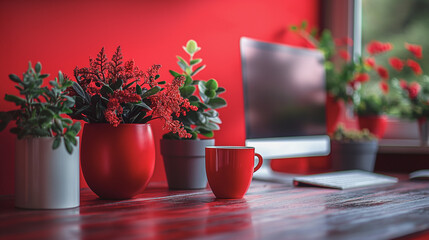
[(117, 100), (373, 102), (338, 67), (46, 165), (353, 149), (184, 157)]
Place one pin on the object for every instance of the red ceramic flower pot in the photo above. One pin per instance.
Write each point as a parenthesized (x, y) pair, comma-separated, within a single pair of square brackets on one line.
[(117, 162), (375, 124), (334, 108)]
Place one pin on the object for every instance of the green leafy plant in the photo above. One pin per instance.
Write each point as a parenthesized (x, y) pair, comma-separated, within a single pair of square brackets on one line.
[(203, 119), (344, 135), (41, 109), (339, 68)]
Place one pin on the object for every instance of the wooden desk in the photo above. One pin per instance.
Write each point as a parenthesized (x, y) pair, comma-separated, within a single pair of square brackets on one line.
[(268, 211)]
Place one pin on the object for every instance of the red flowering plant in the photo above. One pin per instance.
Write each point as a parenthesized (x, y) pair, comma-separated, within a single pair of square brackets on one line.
[(203, 119), (375, 97), (339, 68), (416, 89), (119, 92)]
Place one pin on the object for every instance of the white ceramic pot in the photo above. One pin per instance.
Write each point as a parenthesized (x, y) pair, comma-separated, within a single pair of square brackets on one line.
[(46, 178)]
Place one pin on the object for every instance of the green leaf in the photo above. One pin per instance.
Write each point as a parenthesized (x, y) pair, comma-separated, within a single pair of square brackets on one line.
[(105, 91), (116, 85), (68, 145), (78, 89), (193, 99), (182, 60), (15, 78), (17, 100), (129, 84), (143, 105), (198, 70), (206, 133), (71, 136), (212, 84), (161, 82), (67, 120), (195, 61), (216, 102), (151, 92), (44, 76), (187, 91), (175, 74), (293, 28), (188, 80), (47, 113), (184, 67), (57, 142), (38, 67), (61, 77), (220, 90), (75, 127), (191, 47), (138, 89)]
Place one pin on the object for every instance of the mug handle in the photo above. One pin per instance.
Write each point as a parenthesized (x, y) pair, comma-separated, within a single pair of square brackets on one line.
[(260, 160)]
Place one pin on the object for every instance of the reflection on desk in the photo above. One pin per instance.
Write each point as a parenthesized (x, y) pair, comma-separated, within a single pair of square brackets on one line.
[(268, 211)]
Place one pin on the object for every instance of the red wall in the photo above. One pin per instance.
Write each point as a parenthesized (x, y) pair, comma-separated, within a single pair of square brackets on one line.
[(63, 34)]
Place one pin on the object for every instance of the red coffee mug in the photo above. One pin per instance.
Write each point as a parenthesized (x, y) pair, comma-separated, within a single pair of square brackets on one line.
[(230, 170)]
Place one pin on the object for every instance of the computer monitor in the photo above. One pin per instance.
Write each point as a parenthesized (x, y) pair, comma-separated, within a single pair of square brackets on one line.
[(284, 99)]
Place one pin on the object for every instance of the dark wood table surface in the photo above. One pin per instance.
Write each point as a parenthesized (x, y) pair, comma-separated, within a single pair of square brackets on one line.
[(268, 211)]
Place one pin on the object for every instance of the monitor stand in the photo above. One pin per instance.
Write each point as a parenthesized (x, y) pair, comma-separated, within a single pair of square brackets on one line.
[(265, 173)]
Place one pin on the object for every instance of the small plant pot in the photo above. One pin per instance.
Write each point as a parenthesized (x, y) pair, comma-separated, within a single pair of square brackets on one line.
[(354, 155), (46, 178), (184, 162)]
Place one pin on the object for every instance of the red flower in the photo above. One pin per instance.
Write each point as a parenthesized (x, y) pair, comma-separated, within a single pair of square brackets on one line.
[(384, 87), (370, 62), (403, 84), (376, 47), (396, 63), (361, 77), (344, 54), (414, 89), (168, 102), (416, 50), (414, 66), (382, 72), (354, 84)]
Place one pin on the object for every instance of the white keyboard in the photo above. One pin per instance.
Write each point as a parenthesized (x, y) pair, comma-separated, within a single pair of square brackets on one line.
[(344, 179)]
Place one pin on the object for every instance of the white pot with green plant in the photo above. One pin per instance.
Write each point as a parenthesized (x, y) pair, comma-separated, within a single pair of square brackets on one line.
[(47, 152), (353, 149), (184, 158)]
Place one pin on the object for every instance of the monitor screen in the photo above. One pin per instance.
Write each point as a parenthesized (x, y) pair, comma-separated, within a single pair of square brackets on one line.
[(284, 97)]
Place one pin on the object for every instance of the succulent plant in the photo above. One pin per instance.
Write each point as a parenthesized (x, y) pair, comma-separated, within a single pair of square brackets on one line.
[(344, 135), (204, 119), (41, 111)]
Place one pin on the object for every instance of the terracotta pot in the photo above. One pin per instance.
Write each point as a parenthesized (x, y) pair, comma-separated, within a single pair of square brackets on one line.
[(375, 124), (117, 162), (334, 108), (46, 178), (184, 162)]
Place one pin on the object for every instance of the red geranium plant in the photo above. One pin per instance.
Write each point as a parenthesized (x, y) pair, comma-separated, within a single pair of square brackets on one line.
[(370, 101), (118, 92)]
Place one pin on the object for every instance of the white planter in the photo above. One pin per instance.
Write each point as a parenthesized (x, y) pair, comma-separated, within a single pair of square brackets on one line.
[(46, 178)]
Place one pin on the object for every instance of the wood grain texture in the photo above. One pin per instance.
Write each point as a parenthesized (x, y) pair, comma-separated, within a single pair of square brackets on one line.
[(268, 211)]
